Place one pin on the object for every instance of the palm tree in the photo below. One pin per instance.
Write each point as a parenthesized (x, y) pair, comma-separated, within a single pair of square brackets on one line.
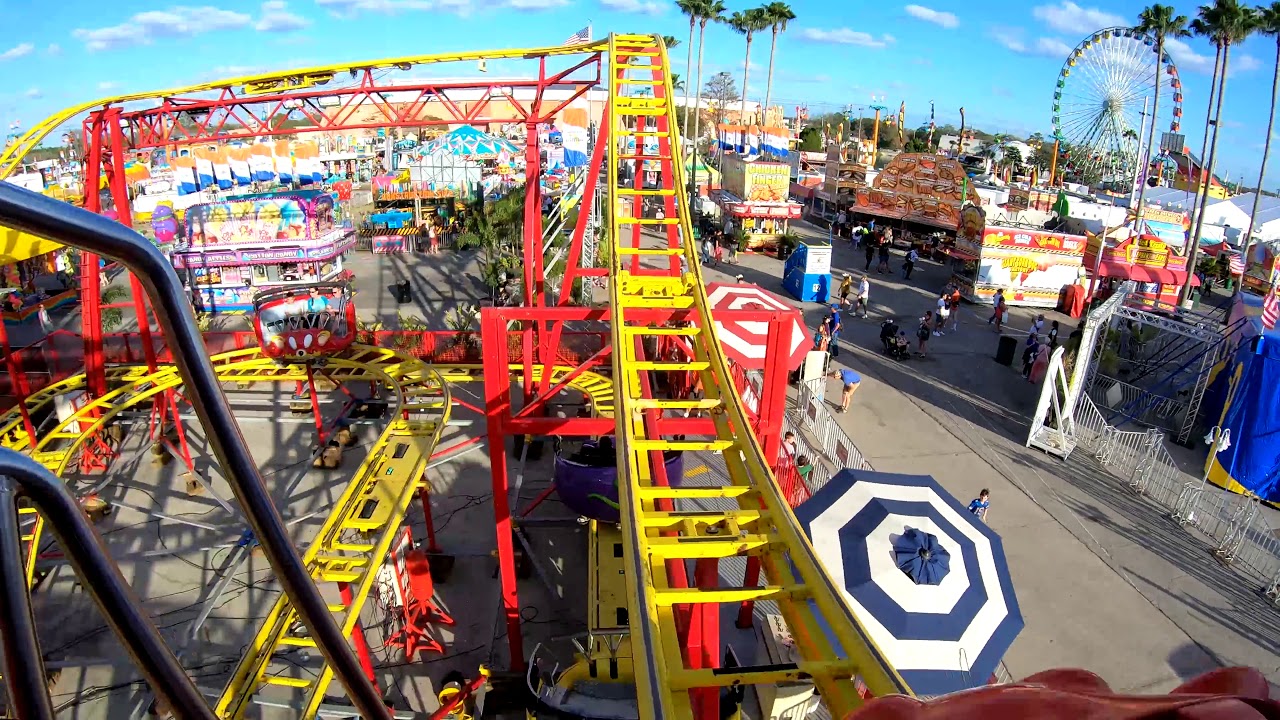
[(747, 23), (1160, 22), (708, 11), (1268, 23), (1229, 22), (691, 9), (779, 14), (1199, 27)]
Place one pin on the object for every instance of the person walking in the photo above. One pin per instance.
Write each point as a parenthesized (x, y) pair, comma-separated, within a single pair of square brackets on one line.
[(864, 297), (910, 262), (850, 381), (708, 249), (941, 313), (995, 306), (883, 252), (833, 329), (846, 287), (869, 248), (954, 308), (1039, 365), (923, 332), (981, 504), (1002, 312)]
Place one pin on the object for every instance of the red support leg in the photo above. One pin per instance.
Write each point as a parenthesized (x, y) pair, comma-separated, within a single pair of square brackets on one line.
[(497, 391), (424, 497), (358, 639), (773, 394), (18, 382), (315, 407), (706, 701), (90, 284)]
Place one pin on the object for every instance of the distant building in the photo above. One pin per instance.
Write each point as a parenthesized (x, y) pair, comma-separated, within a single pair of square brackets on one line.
[(951, 144)]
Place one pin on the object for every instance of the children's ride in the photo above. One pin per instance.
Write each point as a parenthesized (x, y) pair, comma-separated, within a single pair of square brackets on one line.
[(305, 323)]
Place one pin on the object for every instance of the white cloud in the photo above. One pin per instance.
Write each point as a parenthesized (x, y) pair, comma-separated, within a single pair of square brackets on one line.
[(534, 4), (929, 15), (1052, 47), (108, 85), (1008, 37), (382, 6), (277, 18), (457, 7), (17, 51), (642, 7), (1069, 17), (1245, 63), (178, 21), (845, 36), (34, 93), (1186, 58), (53, 49)]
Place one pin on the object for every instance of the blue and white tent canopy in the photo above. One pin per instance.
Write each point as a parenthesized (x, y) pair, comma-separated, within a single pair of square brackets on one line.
[(927, 579), (469, 142)]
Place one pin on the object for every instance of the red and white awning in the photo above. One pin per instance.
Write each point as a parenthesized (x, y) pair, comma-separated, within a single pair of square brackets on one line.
[(745, 342)]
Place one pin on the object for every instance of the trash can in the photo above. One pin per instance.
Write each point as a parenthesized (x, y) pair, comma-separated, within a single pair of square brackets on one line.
[(1007, 350), (403, 294)]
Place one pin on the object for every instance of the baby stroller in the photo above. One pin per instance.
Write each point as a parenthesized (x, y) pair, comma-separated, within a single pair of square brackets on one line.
[(893, 340)]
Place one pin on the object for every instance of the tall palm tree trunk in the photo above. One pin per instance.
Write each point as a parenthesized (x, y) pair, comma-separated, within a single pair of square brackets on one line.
[(768, 88), (1196, 205), (1194, 240), (746, 73), (688, 65), (1144, 165), (697, 107), (1262, 171)]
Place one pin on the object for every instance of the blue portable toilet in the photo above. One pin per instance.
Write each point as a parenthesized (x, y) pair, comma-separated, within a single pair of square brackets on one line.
[(807, 272)]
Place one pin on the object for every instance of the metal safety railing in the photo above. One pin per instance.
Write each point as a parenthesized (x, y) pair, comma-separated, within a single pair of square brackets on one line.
[(1233, 524)]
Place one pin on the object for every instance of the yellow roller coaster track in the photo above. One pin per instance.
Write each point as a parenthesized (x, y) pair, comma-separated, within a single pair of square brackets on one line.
[(640, 107), (133, 385)]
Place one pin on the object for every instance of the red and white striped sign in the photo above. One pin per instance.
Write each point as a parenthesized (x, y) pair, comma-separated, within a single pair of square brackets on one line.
[(745, 342)]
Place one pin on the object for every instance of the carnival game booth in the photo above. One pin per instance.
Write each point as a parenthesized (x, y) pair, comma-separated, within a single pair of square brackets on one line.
[(239, 246), (1155, 258), (1032, 266), (755, 196), (389, 232)]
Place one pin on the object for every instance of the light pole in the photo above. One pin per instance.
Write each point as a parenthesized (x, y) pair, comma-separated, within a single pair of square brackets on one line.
[(877, 104)]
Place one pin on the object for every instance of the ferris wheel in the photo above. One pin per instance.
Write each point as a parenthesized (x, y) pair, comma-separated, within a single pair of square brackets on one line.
[(1098, 104)]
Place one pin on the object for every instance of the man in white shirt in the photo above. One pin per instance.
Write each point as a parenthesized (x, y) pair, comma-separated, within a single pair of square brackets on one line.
[(1037, 325), (864, 295), (941, 314)]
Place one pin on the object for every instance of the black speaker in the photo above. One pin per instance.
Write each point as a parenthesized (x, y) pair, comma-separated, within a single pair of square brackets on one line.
[(1007, 350), (403, 293)]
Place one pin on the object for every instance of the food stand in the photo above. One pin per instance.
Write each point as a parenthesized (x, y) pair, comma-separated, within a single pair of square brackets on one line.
[(1261, 269), (1154, 258), (1031, 266), (754, 195), (236, 247), (918, 188)]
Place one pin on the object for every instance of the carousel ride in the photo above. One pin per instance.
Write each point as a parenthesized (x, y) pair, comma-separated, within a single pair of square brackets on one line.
[(647, 615)]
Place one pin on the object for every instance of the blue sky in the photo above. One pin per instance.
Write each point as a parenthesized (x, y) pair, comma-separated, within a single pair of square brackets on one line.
[(1000, 60)]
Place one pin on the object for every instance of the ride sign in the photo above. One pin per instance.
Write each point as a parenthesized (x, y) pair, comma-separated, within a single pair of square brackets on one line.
[(995, 236), (261, 256)]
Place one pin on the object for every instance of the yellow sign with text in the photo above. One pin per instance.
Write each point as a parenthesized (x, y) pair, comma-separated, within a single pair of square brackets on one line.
[(766, 182)]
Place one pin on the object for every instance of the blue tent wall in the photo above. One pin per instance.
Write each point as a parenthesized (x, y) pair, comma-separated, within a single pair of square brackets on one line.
[(1249, 387)]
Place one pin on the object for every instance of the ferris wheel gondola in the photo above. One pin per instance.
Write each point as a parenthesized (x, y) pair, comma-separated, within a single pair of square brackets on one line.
[(1098, 116)]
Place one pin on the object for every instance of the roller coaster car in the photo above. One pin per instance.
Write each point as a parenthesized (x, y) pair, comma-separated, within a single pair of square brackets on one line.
[(304, 323)]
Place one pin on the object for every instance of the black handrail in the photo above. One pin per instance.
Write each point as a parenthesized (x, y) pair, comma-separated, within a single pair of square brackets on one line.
[(54, 220), (100, 577)]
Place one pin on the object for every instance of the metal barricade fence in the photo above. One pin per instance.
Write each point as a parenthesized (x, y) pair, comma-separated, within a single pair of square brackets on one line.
[(1231, 523)]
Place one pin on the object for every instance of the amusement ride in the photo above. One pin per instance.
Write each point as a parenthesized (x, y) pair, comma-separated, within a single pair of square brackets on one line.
[(1099, 112), (655, 596)]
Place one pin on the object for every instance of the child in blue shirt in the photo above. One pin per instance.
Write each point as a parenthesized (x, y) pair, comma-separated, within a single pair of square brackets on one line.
[(981, 504)]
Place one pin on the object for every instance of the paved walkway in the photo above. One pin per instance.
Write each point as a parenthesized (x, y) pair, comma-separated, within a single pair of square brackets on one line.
[(1104, 581)]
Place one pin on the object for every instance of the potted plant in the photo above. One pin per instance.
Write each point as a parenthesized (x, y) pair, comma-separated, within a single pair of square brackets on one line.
[(787, 244)]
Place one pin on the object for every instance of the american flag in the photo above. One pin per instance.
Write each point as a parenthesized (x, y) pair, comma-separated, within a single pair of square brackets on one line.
[(582, 37), (1271, 310)]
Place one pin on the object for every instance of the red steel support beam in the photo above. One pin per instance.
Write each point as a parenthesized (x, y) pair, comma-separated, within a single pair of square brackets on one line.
[(90, 285), (237, 116), (18, 383), (571, 270), (497, 393)]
